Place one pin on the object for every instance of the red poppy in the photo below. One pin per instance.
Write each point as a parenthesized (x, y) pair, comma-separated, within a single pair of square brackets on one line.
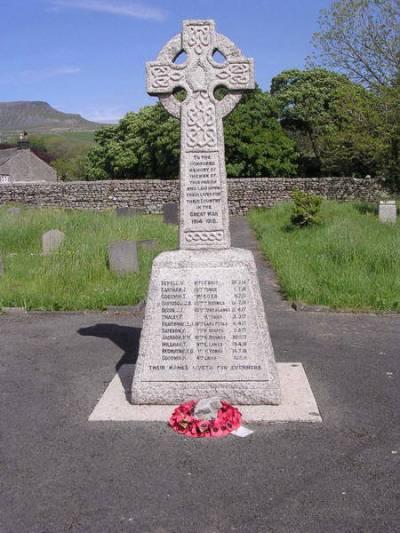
[(182, 421)]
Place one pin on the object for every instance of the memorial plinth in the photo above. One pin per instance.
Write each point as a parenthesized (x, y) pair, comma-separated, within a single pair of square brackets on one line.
[(205, 332)]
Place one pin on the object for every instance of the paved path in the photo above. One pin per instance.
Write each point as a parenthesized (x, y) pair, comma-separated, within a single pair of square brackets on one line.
[(60, 474)]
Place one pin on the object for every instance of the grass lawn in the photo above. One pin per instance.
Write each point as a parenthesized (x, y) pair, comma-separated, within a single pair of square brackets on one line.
[(76, 276), (351, 261)]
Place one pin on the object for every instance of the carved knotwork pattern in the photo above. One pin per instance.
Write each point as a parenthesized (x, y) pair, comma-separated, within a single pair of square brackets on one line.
[(162, 77), (235, 73), (201, 116), (201, 131), (204, 236), (199, 38)]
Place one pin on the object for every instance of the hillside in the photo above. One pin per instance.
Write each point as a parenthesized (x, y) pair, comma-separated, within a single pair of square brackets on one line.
[(40, 117)]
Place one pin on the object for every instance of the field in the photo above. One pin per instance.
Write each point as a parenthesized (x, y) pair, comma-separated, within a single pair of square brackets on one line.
[(76, 136), (350, 262), (75, 277)]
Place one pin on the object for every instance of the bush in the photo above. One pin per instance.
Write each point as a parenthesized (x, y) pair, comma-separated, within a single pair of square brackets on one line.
[(306, 209)]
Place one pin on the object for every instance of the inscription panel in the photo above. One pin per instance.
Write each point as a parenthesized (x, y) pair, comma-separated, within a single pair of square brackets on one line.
[(202, 199), (206, 328)]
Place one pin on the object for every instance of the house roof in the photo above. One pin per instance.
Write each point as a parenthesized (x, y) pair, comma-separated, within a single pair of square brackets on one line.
[(6, 154)]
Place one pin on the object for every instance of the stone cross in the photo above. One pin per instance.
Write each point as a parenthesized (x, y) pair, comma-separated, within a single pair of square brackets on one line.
[(204, 334), (204, 212)]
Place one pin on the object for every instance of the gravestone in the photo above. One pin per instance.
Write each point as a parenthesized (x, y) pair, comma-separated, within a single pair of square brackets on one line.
[(52, 240), (170, 213), (387, 211), (122, 257), (130, 211), (205, 332)]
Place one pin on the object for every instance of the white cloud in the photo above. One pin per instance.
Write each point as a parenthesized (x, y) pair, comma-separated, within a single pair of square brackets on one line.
[(104, 114), (127, 9), (32, 76)]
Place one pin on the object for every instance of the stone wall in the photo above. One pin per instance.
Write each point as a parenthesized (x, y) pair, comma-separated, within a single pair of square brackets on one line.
[(244, 193)]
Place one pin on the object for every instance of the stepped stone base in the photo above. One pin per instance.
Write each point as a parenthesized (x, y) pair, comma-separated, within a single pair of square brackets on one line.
[(298, 403), (205, 332)]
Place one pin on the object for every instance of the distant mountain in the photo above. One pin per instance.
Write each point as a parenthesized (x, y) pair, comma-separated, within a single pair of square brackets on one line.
[(40, 117)]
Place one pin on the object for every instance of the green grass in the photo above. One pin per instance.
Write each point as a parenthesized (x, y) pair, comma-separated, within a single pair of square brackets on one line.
[(78, 136), (349, 262), (75, 277)]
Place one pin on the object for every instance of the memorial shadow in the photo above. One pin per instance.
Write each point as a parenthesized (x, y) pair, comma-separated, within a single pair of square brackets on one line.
[(127, 339)]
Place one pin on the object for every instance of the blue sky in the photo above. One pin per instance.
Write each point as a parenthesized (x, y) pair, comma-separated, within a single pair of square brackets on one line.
[(88, 56)]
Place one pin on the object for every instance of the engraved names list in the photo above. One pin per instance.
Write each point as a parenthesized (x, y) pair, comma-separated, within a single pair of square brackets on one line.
[(204, 322)]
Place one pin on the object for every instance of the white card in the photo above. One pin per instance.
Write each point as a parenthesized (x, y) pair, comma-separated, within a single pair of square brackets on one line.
[(242, 431)]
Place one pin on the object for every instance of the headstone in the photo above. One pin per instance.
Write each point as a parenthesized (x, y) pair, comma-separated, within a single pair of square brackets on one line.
[(52, 240), (205, 333), (122, 257), (387, 211), (148, 244), (130, 211), (170, 213), (14, 210)]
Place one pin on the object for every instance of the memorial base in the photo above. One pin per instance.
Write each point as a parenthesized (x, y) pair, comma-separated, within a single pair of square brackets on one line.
[(235, 392), (205, 332), (298, 403)]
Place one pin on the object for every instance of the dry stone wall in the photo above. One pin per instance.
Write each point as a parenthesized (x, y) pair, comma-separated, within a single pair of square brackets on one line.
[(150, 195)]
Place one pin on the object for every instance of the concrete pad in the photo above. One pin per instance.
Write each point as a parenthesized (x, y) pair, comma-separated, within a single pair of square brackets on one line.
[(298, 402)]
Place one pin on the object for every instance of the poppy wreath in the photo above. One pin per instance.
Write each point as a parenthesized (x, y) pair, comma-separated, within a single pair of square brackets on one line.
[(182, 421)]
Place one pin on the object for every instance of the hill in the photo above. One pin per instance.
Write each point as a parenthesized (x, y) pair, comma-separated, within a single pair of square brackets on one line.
[(40, 117)]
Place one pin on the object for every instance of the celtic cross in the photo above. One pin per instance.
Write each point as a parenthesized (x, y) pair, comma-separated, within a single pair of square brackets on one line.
[(204, 213)]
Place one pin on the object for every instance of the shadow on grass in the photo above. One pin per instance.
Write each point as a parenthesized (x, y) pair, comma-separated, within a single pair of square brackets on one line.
[(289, 228), (292, 228), (366, 208), (127, 339)]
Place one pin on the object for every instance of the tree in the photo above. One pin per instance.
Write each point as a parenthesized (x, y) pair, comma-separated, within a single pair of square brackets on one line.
[(98, 162), (360, 38), (336, 123), (146, 144), (356, 142), (143, 145), (390, 132), (255, 142), (70, 169), (304, 99)]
